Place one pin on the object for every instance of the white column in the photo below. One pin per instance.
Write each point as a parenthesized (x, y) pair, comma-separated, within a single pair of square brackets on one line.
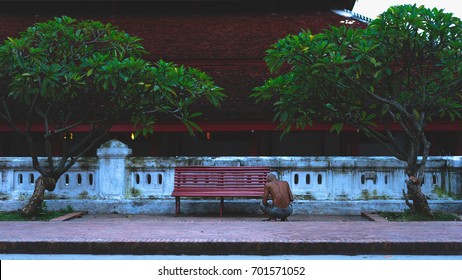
[(113, 174)]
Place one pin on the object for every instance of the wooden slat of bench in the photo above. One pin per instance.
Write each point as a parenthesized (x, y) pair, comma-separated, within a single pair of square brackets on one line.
[(179, 168), (213, 174), (231, 186), (221, 171), (222, 191), (211, 195), (218, 193), (245, 179), (219, 184), (217, 177), (222, 186), (218, 169), (221, 175)]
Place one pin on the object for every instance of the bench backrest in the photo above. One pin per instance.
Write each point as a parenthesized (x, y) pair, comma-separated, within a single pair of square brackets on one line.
[(233, 180)]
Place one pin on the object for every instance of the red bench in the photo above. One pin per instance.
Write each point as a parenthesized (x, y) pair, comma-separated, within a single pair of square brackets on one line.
[(212, 181)]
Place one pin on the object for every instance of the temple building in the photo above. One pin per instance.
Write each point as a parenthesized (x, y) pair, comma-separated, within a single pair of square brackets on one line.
[(227, 39)]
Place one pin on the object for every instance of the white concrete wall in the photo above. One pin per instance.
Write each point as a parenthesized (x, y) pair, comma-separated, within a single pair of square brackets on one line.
[(116, 176)]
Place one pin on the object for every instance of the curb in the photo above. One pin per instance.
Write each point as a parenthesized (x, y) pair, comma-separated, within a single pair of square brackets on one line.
[(233, 248)]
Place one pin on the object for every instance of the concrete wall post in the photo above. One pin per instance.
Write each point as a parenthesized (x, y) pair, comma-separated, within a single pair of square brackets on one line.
[(113, 174)]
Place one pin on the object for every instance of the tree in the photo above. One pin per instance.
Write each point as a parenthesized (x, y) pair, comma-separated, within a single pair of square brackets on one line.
[(66, 73), (404, 68)]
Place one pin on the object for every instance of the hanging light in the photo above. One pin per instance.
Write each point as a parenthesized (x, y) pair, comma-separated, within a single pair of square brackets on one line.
[(68, 136)]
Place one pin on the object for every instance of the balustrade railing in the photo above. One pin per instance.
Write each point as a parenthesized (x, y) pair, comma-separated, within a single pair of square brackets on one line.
[(114, 174)]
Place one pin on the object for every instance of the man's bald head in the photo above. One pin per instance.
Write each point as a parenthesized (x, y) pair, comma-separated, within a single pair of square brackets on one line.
[(271, 177)]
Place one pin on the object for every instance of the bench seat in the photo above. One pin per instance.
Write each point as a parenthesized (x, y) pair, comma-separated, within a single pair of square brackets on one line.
[(214, 181)]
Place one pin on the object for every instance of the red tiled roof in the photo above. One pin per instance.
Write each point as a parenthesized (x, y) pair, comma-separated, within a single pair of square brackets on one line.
[(230, 48)]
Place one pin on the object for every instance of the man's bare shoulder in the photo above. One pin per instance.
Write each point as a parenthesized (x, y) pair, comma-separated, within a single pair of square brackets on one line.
[(285, 183), (276, 184)]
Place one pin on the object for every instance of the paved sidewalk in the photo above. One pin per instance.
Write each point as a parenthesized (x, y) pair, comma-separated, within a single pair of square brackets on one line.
[(229, 235)]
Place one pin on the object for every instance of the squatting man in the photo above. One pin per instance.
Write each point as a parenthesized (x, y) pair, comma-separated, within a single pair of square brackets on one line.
[(280, 207)]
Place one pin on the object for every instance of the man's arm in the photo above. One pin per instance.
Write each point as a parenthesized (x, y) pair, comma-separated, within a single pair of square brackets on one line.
[(265, 195), (291, 196)]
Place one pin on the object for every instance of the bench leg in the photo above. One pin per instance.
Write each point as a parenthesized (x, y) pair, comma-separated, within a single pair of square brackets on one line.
[(221, 206), (177, 205)]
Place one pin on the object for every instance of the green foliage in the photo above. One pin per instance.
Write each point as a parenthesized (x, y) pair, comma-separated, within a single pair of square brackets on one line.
[(67, 73), (403, 68), (366, 195), (134, 192), (54, 59), (69, 209), (83, 195), (44, 214), (408, 216)]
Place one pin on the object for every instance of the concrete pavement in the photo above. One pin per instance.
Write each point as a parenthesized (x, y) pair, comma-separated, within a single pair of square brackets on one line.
[(229, 235)]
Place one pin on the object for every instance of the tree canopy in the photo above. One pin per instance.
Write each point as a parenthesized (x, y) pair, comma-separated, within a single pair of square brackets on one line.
[(65, 73), (404, 68)]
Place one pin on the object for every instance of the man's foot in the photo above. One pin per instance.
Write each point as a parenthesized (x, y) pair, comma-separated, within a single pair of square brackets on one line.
[(284, 220), (269, 219)]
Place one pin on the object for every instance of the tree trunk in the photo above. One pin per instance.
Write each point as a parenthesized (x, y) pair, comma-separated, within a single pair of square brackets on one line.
[(419, 203), (34, 206)]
